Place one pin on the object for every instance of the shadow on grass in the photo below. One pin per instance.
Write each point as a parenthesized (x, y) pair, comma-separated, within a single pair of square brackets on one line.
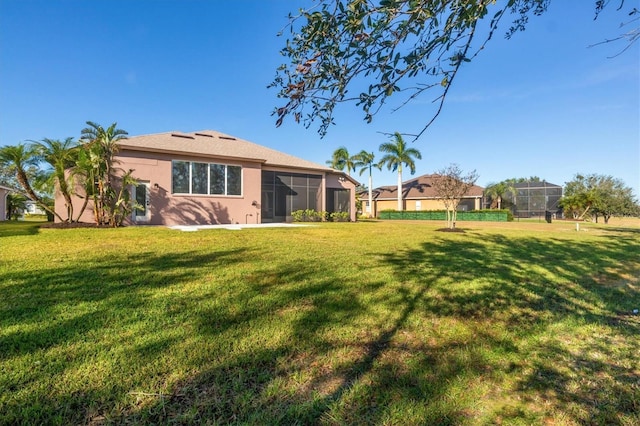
[(12, 228), (366, 349), (121, 283), (526, 285), (621, 229)]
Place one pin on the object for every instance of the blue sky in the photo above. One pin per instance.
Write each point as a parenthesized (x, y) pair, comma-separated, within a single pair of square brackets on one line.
[(541, 104)]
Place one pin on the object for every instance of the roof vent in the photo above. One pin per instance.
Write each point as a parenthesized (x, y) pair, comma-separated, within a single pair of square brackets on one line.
[(178, 135), (229, 138), (203, 134)]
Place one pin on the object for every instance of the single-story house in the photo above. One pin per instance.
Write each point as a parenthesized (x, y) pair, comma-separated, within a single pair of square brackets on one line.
[(208, 177), (4, 192), (417, 194)]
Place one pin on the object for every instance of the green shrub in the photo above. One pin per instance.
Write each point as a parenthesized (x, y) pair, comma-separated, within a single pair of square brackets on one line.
[(472, 215), (339, 216), (298, 216), (308, 215)]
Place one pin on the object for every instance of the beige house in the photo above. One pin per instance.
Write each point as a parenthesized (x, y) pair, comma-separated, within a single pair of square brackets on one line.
[(208, 177), (417, 194)]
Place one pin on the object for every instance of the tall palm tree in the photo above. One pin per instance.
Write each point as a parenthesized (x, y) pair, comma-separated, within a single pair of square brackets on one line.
[(340, 160), (397, 155), (61, 156), (17, 159), (103, 145), (364, 161)]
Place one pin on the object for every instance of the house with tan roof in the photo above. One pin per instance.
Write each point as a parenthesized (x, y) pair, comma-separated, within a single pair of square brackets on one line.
[(208, 177), (418, 194)]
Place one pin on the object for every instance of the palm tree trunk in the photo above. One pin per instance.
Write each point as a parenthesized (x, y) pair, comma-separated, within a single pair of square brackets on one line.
[(370, 194), (24, 182), (400, 189), (83, 208)]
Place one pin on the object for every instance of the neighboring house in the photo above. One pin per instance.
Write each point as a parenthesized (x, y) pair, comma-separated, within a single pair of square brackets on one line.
[(417, 194), (31, 207), (208, 177), (534, 199), (4, 192)]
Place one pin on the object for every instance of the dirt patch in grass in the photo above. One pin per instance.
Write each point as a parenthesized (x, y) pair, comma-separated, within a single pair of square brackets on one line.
[(460, 230)]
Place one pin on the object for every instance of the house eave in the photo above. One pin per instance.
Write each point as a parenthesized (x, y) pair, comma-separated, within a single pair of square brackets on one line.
[(124, 147)]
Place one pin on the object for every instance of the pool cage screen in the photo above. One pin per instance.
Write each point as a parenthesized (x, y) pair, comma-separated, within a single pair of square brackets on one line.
[(534, 199)]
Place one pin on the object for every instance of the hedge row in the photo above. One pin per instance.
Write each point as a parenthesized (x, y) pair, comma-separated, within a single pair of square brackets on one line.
[(475, 215)]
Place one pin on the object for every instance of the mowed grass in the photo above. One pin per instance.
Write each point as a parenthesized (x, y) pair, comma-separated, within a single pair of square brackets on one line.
[(371, 322)]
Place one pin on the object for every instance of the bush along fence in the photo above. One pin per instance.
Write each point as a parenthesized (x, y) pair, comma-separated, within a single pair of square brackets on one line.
[(477, 215), (315, 216)]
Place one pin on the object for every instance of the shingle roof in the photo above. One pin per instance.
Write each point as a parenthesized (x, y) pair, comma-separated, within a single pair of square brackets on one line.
[(418, 188), (215, 144)]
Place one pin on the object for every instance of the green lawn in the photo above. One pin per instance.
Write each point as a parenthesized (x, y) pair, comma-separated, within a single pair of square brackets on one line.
[(372, 322)]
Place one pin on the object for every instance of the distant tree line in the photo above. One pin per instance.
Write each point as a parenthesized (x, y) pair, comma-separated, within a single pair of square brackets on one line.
[(588, 196)]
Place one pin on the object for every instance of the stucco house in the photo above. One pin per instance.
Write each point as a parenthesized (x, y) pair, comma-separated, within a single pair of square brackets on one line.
[(4, 192), (208, 177), (417, 194)]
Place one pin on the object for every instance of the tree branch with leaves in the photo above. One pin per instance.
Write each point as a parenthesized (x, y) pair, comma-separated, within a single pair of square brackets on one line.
[(366, 52)]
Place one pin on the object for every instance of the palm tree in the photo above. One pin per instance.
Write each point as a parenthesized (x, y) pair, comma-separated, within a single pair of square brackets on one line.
[(497, 191), (61, 156), (18, 159), (340, 160), (16, 203), (397, 155), (103, 145), (364, 161)]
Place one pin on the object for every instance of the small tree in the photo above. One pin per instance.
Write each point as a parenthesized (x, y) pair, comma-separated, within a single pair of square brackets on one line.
[(451, 185), (496, 192), (101, 146), (60, 156), (16, 204)]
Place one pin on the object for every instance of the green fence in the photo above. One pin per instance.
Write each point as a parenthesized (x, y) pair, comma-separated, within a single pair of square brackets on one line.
[(478, 215)]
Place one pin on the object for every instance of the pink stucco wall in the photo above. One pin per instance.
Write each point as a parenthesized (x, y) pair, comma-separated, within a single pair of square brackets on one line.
[(173, 209), (178, 209)]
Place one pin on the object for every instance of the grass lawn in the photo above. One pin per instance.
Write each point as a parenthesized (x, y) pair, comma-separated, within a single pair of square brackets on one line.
[(371, 322)]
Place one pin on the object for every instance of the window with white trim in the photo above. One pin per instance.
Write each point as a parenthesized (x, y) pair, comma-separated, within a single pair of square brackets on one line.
[(190, 177)]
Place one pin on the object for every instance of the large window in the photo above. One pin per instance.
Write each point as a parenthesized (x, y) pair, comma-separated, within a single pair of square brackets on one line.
[(189, 177)]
